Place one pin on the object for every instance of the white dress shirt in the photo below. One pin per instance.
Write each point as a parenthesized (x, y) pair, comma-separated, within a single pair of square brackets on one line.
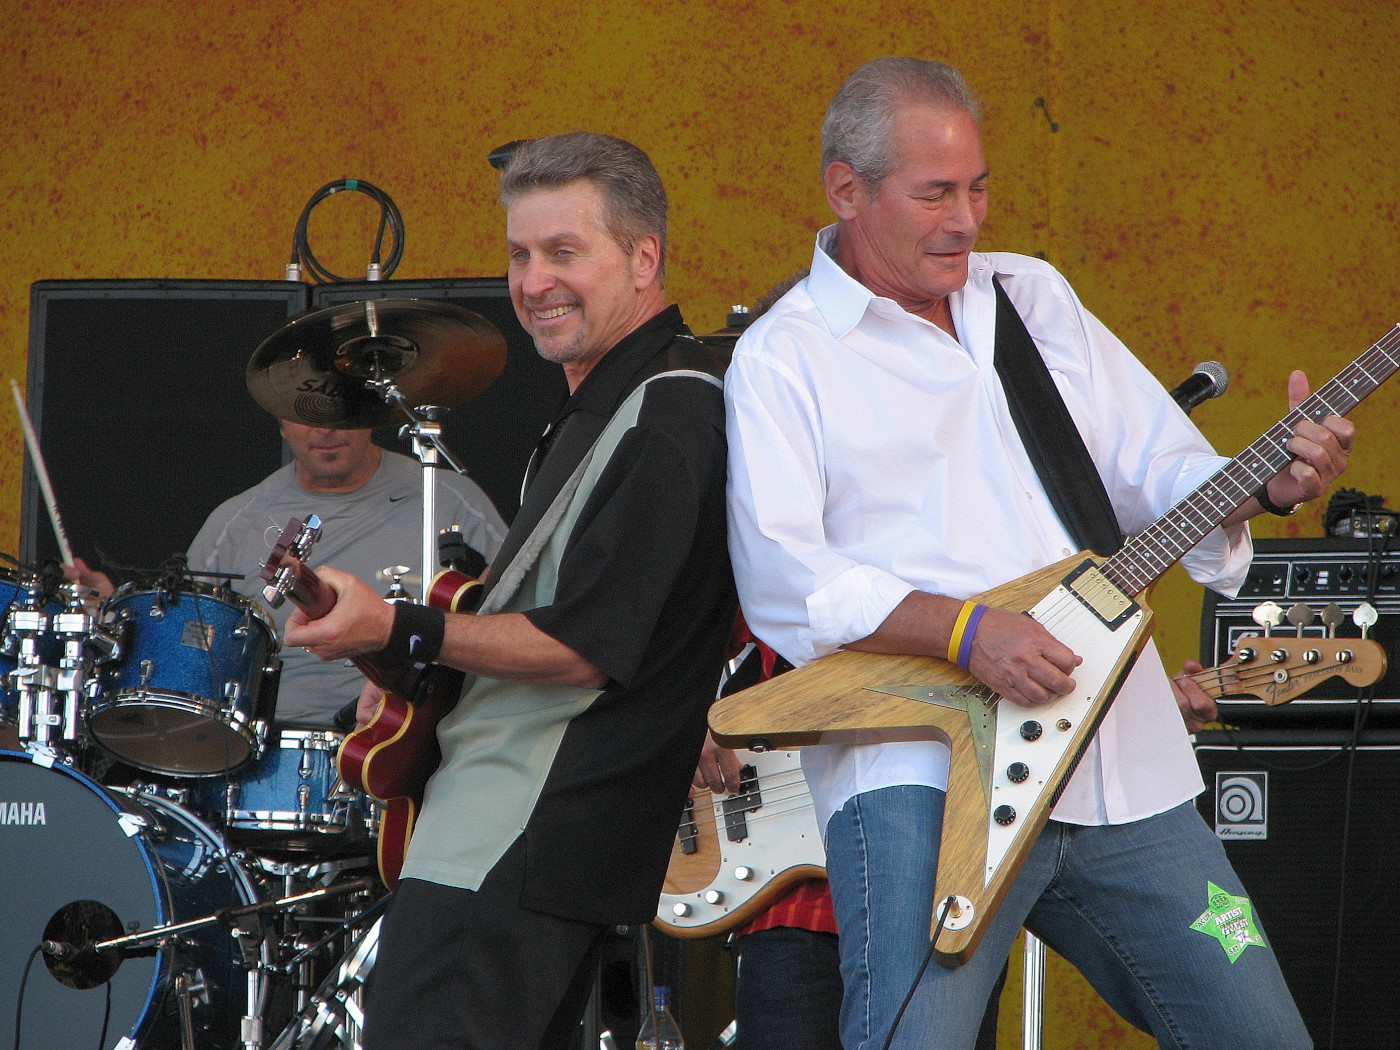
[(872, 454)]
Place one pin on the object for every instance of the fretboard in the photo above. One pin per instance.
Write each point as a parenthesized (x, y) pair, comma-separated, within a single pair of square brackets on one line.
[(1157, 548)]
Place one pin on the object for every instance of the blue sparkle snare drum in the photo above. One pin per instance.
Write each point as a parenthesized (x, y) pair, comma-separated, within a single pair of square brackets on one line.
[(198, 671)]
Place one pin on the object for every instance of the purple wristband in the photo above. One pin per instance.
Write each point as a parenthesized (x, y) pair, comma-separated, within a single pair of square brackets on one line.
[(965, 649)]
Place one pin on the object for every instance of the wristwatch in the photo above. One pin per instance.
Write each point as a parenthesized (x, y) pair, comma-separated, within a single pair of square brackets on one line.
[(1273, 508)]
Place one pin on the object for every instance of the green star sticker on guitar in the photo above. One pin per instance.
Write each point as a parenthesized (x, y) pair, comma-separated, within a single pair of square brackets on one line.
[(1230, 920)]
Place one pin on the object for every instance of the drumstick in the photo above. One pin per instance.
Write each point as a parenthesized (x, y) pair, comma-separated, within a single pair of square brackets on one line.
[(36, 456)]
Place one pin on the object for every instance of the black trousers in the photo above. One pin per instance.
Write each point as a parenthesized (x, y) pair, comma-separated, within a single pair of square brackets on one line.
[(473, 970)]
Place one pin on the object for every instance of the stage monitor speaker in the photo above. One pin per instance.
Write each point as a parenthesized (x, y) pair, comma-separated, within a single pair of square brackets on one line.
[(137, 391), (1309, 826), (1314, 572), (494, 433)]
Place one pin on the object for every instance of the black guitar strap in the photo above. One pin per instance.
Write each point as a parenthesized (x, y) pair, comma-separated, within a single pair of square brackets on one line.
[(1050, 437)]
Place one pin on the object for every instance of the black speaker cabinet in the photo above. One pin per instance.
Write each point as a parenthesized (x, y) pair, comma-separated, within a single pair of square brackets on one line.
[(494, 433), (1314, 572), (1309, 825), (136, 390)]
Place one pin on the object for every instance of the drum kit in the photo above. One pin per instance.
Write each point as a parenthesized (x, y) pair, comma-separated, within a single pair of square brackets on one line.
[(177, 871)]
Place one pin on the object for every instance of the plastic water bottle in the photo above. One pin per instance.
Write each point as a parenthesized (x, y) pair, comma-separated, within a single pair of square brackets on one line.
[(659, 1028)]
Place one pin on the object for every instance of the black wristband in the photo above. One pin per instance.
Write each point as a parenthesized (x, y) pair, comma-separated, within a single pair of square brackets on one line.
[(1273, 508), (417, 633)]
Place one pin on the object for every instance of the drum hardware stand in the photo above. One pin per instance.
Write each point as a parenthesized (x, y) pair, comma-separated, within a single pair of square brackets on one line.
[(297, 941), (1033, 994), (189, 990), (336, 1009)]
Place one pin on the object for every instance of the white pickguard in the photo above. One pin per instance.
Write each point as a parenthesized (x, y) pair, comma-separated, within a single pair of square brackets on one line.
[(780, 834), (1089, 637)]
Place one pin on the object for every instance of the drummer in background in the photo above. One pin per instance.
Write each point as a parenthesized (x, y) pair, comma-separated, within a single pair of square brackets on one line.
[(370, 502)]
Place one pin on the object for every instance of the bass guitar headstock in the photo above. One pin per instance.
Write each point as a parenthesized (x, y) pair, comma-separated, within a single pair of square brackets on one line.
[(1276, 669)]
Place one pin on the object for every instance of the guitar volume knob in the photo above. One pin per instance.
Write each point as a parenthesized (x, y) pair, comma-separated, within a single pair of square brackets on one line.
[(1030, 730), (1017, 772), (681, 910), (714, 897), (1004, 815), (743, 873)]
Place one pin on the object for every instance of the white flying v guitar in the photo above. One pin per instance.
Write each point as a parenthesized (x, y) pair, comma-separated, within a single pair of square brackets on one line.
[(1009, 764)]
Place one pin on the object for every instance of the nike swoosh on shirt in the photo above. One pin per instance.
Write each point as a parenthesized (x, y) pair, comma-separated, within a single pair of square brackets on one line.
[(395, 499)]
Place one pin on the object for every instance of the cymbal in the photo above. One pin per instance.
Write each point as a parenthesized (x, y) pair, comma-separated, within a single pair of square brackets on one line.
[(315, 369)]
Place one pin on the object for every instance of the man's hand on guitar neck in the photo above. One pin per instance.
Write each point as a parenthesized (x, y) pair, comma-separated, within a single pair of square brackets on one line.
[(1320, 454), (1197, 707), (361, 621)]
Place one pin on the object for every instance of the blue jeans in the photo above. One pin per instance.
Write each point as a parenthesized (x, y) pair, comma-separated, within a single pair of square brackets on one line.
[(1116, 901)]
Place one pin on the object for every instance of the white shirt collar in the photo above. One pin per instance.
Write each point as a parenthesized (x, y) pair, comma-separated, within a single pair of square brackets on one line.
[(842, 300)]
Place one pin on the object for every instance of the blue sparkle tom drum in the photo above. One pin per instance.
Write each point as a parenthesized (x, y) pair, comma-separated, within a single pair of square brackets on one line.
[(197, 673), (290, 799)]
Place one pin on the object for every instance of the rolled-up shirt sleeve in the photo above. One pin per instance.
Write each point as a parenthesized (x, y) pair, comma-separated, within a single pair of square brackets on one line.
[(798, 595)]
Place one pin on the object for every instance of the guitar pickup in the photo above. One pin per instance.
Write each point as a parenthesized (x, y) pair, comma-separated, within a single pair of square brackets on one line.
[(744, 800), (1097, 594), (688, 833)]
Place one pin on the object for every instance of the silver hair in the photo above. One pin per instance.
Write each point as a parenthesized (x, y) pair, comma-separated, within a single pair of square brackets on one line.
[(633, 199), (859, 124)]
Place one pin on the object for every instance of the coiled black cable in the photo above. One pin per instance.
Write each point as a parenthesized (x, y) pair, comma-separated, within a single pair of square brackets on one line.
[(389, 216)]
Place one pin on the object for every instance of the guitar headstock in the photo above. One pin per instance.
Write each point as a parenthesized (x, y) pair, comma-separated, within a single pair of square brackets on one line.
[(1277, 669), (285, 570)]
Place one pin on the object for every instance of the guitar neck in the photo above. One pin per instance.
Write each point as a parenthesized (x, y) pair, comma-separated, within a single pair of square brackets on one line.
[(1146, 556), (312, 596)]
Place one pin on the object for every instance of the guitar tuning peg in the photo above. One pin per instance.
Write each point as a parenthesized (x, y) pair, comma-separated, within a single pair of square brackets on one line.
[(1365, 617), (1268, 615), (1299, 615), (1332, 617)]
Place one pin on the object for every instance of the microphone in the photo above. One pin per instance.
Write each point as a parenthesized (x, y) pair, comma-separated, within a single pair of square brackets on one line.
[(1209, 379), (62, 951)]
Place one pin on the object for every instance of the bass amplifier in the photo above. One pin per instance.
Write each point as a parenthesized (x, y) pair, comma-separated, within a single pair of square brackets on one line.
[(1307, 818), (1316, 573)]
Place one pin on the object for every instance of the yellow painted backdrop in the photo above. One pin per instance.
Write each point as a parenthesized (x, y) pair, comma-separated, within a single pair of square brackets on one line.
[(1220, 184)]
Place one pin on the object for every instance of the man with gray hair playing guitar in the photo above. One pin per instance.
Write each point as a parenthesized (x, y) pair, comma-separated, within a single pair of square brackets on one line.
[(903, 428), (596, 648)]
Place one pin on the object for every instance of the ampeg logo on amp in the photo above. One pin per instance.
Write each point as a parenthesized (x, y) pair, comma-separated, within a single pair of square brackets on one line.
[(1313, 574), (1242, 805)]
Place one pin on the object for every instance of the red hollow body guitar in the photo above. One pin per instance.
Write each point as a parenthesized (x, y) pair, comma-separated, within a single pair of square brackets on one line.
[(391, 757)]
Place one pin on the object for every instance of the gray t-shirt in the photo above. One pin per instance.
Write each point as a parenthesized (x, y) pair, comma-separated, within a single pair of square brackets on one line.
[(363, 532)]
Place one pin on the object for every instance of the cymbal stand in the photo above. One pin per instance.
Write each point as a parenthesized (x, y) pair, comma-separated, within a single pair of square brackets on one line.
[(425, 430)]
